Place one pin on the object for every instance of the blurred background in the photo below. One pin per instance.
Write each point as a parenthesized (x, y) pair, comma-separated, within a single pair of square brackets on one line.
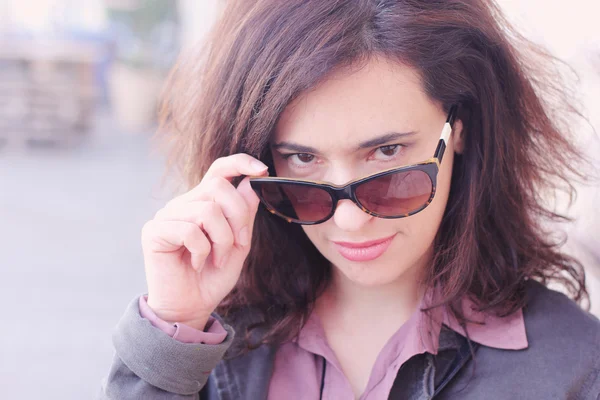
[(79, 81)]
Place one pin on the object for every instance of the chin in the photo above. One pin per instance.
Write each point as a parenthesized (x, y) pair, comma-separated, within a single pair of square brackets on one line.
[(371, 273), (369, 281)]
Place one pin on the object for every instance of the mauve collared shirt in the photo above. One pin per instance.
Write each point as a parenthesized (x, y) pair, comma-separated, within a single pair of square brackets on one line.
[(298, 362)]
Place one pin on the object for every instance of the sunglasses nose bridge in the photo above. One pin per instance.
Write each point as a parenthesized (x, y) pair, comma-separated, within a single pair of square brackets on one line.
[(343, 193)]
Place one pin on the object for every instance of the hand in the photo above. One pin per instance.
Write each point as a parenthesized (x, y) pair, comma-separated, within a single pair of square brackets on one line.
[(195, 246)]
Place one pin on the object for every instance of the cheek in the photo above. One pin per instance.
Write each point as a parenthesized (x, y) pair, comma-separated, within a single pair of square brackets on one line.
[(312, 231), (422, 227), (419, 230)]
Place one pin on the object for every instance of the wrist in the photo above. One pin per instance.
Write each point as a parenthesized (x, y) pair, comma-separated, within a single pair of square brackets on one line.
[(196, 319), (199, 324)]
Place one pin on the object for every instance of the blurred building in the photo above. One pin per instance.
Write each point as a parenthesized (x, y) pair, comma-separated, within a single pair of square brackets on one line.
[(62, 59)]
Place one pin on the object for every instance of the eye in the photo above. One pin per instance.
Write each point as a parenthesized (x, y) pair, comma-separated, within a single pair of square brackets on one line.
[(299, 159), (387, 152)]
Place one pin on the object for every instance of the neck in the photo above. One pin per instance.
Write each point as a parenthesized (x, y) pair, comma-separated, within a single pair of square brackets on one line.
[(349, 301)]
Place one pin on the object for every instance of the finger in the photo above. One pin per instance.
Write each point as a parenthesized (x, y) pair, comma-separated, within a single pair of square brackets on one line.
[(207, 189), (226, 168), (233, 205), (252, 201), (250, 198), (169, 236), (235, 165), (208, 216)]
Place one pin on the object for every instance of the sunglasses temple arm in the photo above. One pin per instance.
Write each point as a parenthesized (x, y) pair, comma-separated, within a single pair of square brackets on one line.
[(445, 136)]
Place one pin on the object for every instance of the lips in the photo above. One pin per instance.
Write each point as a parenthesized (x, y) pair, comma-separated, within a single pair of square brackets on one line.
[(364, 251), (354, 245)]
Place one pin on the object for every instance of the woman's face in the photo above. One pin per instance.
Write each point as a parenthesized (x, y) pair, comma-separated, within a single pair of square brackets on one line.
[(333, 119)]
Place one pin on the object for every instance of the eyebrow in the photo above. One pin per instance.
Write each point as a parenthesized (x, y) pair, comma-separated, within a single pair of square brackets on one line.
[(376, 141)]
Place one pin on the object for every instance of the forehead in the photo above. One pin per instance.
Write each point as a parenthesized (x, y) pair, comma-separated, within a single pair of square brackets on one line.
[(353, 105)]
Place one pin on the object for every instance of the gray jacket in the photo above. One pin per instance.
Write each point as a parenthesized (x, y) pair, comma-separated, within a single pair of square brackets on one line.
[(561, 362)]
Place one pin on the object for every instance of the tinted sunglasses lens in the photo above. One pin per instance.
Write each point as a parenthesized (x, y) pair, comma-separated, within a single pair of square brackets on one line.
[(396, 194), (300, 202)]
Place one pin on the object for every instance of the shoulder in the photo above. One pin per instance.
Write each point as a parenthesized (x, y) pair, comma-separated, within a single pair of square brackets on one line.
[(564, 339), (562, 359), (555, 323)]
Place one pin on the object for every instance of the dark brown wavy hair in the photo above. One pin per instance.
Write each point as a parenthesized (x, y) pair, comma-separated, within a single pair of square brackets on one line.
[(495, 234)]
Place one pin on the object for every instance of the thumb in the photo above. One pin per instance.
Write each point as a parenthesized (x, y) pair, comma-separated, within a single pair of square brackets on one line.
[(251, 199), (248, 193)]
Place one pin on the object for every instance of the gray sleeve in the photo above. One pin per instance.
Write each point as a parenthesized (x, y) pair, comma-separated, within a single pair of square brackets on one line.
[(149, 364)]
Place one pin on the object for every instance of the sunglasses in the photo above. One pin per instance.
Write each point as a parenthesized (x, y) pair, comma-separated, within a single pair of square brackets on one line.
[(394, 193)]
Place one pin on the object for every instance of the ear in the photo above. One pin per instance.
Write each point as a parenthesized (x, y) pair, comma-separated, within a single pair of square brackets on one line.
[(457, 137)]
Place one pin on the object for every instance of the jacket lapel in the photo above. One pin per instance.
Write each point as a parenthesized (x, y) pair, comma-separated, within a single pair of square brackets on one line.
[(424, 376), (246, 376)]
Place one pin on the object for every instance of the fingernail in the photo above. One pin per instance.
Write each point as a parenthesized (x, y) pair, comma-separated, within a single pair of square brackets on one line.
[(244, 236), (258, 166)]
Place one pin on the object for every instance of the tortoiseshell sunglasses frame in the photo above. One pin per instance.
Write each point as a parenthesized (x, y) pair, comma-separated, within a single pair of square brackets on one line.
[(430, 166)]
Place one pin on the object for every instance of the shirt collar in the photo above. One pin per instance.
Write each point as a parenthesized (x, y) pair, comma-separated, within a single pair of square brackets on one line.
[(505, 333), (421, 333)]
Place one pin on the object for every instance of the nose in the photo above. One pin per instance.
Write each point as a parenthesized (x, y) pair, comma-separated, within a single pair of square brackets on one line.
[(349, 217)]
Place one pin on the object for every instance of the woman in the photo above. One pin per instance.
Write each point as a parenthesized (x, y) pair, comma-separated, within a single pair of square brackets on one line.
[(402, 151)]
